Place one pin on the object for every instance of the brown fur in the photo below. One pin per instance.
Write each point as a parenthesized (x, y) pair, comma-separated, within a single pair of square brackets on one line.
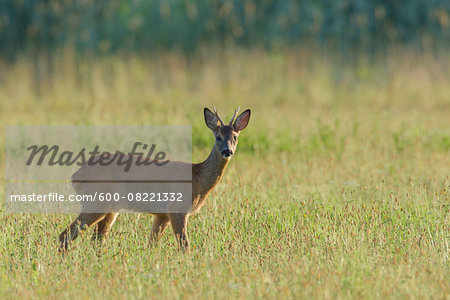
[(205, 176)]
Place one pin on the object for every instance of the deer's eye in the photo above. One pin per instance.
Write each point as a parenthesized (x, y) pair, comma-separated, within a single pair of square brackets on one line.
[(235, 137)]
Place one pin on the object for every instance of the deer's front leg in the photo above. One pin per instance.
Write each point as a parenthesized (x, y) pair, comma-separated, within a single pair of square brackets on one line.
[(179, 225), (159, 225), (103, 227)]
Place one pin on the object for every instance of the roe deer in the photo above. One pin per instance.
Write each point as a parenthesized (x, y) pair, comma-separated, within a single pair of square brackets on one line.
[(205, 176)]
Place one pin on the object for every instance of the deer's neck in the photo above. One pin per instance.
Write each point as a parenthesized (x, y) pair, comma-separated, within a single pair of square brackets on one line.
[(209, 172)]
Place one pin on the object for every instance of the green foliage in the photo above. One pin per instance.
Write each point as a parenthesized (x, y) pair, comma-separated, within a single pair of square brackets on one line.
[(118, 25)]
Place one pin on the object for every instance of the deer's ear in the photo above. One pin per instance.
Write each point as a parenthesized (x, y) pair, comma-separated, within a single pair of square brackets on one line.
[(211, 119), (242, 121)]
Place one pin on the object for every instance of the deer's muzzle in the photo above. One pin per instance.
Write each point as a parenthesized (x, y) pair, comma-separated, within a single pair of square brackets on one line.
[(227, 153)]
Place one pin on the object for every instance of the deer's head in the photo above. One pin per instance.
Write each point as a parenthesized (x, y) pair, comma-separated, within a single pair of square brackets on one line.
[(226, 135)]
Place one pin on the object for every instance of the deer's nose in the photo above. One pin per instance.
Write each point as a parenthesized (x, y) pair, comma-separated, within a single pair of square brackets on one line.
[(227, 153)]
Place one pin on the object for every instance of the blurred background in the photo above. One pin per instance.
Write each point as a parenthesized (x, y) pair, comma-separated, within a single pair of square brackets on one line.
[(29, 27), (43, 31), (294, 62)]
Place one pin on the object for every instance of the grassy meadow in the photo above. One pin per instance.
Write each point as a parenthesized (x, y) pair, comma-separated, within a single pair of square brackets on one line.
[(339, 187)]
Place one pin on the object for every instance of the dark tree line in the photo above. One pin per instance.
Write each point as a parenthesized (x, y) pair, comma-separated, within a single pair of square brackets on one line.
[(103, 26)]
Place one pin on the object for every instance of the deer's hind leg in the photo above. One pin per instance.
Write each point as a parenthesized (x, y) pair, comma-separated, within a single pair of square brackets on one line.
[(103, 227), (81, 223), (159, 226)]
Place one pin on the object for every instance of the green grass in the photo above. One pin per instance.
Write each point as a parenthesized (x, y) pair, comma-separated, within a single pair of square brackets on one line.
[(339, 187)]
